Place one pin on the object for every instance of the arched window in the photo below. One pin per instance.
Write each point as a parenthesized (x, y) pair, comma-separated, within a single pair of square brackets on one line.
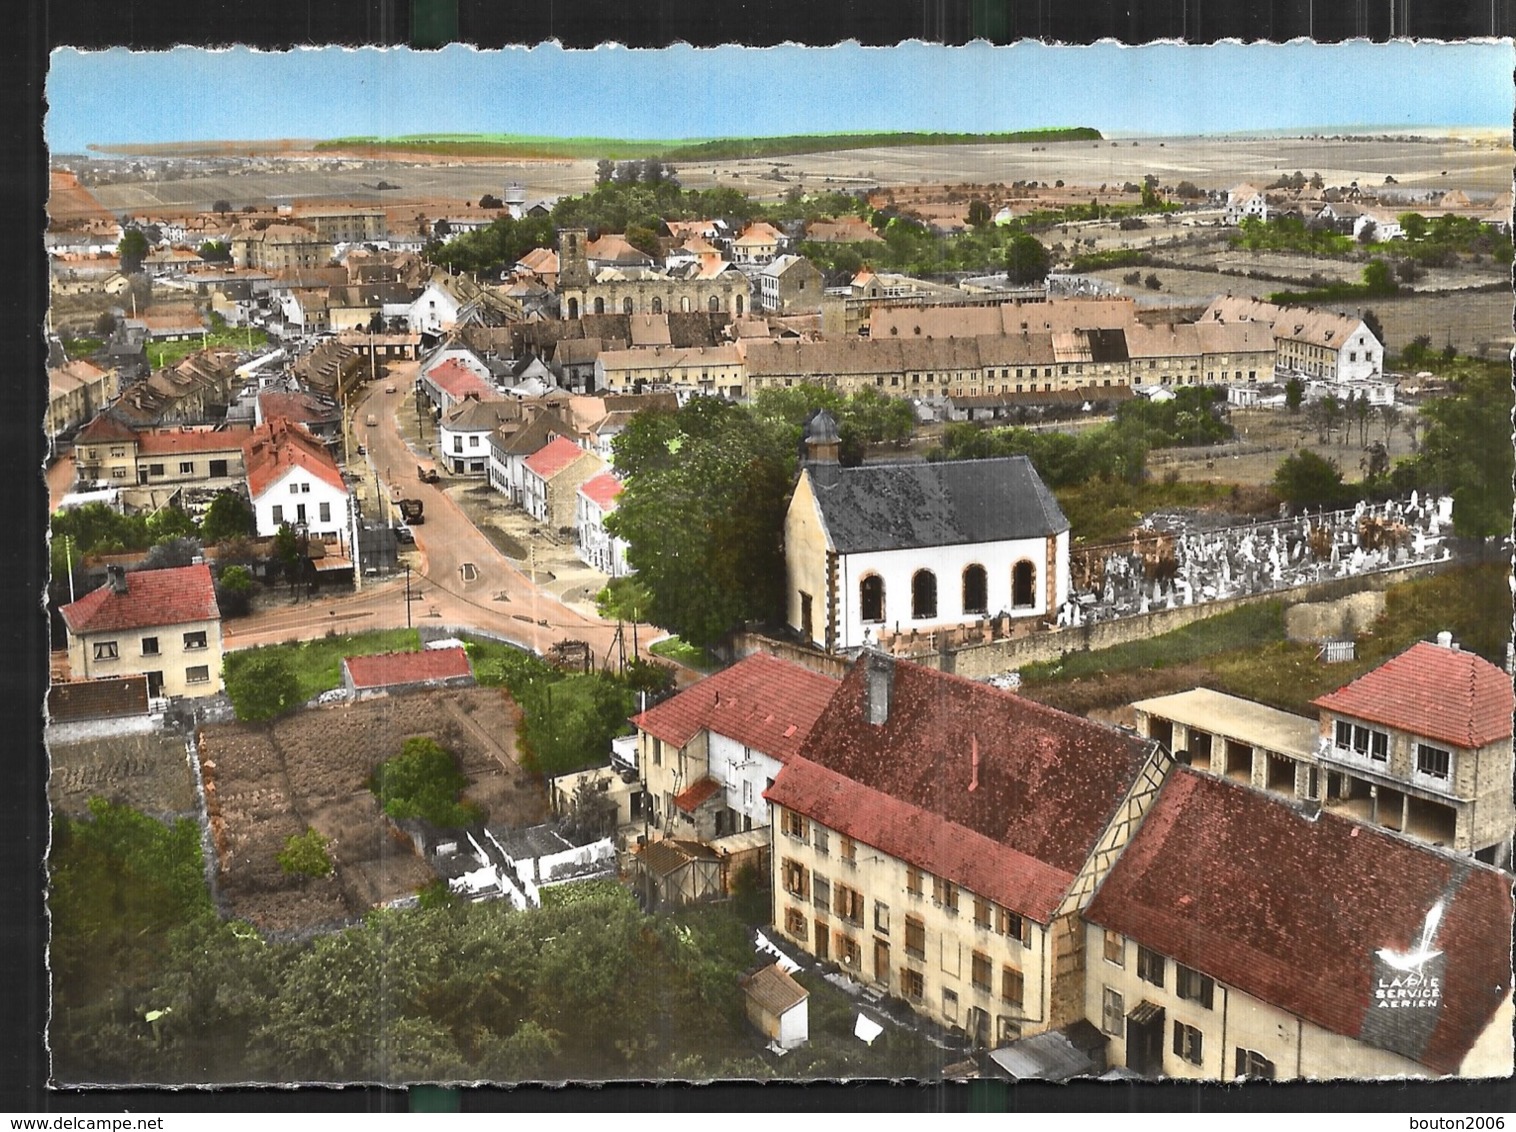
[(871, 597), (924, 595), (599, 304), (684, 304), (739, 306), (975, 590), (714, 306), (626, 305), (657, 305), (1023, 585), (573, 308)]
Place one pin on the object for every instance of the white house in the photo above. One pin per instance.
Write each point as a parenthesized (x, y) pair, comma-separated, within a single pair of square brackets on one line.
[(597, 546), (1244, 201), (292, 478), (454, 352), (1316, 345), (896, 548), (463, 434)]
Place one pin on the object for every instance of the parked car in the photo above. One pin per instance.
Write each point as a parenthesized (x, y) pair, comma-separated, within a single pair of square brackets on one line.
[(389, 388), (426, 475), (404, 534)]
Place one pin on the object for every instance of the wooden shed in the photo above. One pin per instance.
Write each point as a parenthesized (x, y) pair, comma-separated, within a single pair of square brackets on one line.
[(672, 873), (777, 1005)]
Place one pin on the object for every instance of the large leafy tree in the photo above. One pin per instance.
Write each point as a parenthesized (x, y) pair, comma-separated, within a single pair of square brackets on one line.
[(229, 516), (132, 250), (1467, 452), (703, 512), (261, 684), (1308, 480), (1026, 260)]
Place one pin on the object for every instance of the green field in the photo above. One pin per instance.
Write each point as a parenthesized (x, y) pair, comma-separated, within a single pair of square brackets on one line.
[(687, 149)]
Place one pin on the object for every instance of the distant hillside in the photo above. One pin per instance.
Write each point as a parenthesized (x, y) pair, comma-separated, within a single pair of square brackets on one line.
[(685, 149)]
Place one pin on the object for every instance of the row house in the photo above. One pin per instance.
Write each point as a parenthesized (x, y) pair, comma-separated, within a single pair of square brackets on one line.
[(109, 451), (551, 478), (1308, 343), (162, 624), (885, 548), (76, 391), (707, 754), (346, 225), (513, 443), (329, 369), (938, 839), (1420, 745), (384, 347), (598, 548), (463, 433), (706, 369), (1240, 937)]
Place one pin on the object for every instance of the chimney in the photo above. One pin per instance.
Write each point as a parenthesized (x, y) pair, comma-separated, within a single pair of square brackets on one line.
[(878, 678), (1445, 641), (116, 576)]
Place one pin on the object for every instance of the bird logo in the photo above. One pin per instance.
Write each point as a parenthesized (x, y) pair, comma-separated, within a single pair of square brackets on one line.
[(1423, 953)]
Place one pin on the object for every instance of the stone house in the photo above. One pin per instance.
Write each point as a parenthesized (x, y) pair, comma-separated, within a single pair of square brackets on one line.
[(551, 478)]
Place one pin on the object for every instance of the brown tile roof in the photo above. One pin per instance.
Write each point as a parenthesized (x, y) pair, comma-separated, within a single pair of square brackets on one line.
[(192, 440), (276, 446), (153, 597), (112, 698), (613, 248), (105, 428), (671, 854), (306, 408), (761, 702), (994, 792), (388, 670), (1448, 695), (1241, 886), (700, 791), (773, 990)]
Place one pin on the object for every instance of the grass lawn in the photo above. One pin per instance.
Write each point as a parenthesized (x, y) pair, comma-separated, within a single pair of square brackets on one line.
[(172, 353), (672, 648), (318, 663)]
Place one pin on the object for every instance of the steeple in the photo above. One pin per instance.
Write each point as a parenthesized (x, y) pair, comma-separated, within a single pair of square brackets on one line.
[(819, 450)]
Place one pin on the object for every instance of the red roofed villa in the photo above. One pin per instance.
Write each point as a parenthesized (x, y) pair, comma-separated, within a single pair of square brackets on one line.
[(597, 546), (162, 624)]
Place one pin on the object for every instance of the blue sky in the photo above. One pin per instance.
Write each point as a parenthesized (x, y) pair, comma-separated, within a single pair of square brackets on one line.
[(194, 94)]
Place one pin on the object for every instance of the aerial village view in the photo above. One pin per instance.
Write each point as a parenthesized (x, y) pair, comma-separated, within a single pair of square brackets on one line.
[(790, 576)]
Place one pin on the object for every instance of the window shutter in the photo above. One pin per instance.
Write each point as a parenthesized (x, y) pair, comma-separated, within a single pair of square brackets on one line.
[(1178, 1039)]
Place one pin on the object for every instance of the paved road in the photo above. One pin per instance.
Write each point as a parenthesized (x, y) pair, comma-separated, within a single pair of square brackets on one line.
[(462, 581)]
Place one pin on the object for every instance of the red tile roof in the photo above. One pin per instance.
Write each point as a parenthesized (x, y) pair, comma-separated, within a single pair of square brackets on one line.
[(602, 490), (276, 446), (554, 456), (1241, 886), (191, 440), (153, 597), (761, 702), (1444, 694), (458, 381), (700, 791), (994, 792), (386, 670), (105, 429)]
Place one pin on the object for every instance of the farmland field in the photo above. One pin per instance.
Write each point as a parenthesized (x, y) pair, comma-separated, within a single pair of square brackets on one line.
[(310, 769), (148, 772)]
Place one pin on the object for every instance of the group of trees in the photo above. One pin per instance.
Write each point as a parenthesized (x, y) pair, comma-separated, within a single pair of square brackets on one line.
[(587, 987)]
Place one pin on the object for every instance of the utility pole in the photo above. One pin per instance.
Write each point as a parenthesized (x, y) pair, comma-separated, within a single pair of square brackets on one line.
[(407, 595)]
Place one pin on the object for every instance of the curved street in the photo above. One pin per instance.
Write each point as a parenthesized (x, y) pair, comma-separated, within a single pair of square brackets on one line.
[(462, 580)]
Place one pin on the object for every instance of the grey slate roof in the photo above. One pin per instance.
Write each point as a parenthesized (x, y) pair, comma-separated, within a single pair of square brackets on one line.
[(904, 506)]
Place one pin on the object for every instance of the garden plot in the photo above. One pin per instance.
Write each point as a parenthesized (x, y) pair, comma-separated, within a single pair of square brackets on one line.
[(310, 769), (149, 772)]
